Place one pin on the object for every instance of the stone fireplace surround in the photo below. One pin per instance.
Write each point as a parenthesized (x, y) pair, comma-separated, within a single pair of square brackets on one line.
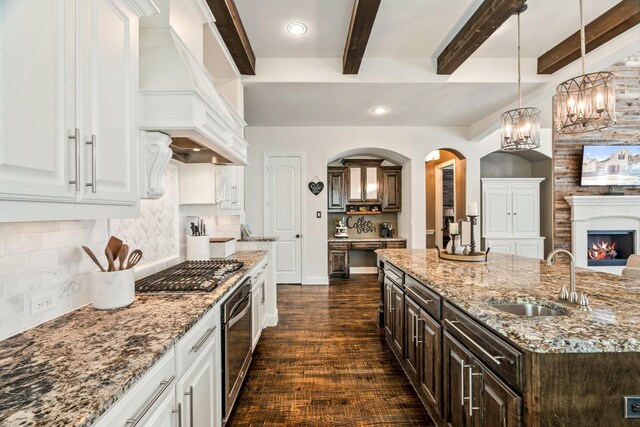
[(602, 213)]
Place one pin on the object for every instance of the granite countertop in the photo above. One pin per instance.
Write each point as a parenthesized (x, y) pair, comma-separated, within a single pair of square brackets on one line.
[(612, 326), (259, 239), (70, 370), (366, 239)]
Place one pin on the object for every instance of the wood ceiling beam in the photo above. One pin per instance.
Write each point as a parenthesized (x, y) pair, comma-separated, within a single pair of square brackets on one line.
[(485, 21), (612, 23), (362, 19), (235, 37)]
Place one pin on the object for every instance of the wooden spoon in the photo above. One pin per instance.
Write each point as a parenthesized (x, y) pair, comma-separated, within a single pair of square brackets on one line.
[(115, 245), (109, 254), (134, 258), (122, 256), (94, 258)]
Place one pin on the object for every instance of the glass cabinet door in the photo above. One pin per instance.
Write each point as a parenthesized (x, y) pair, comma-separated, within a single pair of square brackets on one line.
[(371, 182), (355, 183)]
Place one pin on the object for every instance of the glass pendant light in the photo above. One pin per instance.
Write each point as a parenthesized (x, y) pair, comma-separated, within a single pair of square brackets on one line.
[(521, 126), (587, 102)]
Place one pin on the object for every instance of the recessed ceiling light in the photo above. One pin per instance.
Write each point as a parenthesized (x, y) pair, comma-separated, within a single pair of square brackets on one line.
[(297, 28), (380, 110), (196, 149)]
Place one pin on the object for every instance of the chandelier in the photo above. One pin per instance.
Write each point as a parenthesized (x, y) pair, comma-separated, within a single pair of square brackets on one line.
[(587, 102), (520, 126)]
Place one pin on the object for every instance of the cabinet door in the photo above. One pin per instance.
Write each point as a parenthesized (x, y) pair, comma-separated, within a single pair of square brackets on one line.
[(457, 361), (371, 184), (530, 248), (233, 188), (526, 210), (391, 189), (263, 301), (411, 315), (388, 311), (430, 359), (336, 190), (354, 184), (37, 101), (165, 413), (501, 246), (339, 263), (496, 210), (108, 73), (498, 405), (397, 342), (197, 391), (256, 325)]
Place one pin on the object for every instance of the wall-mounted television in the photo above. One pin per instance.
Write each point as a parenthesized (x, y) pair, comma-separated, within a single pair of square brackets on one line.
[(610, 165)]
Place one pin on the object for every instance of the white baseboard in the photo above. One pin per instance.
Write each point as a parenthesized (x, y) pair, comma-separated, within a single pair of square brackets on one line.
[(363, 270), (317, 280), (271, 320)]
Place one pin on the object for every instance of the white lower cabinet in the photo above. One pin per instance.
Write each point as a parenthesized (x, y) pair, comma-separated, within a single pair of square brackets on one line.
[(197, 393), (165, 413), (256, 313)]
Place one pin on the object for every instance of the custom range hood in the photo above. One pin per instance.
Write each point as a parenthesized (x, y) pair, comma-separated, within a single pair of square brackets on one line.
[(177, 96)]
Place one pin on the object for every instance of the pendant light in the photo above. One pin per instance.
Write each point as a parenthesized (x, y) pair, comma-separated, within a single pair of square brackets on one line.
[(587, 102), (521, 126)]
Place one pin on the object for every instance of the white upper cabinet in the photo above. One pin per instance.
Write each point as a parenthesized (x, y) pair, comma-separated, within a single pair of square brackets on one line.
[(68, 108), (231, 193), (38, 101), (109, 94)]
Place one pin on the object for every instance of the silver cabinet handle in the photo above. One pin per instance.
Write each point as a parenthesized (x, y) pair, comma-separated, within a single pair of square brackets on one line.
[(424, 301), (203, 339), (132, 422), (415, 329), (190, 394), (471, 375), (179, 412), (263, 297), (462, 368), (76, 138), (418, 342), (489, 355), (93, 143)]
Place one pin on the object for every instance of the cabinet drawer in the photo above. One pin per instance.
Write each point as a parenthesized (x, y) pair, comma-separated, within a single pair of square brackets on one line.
[(502, 358), (428, 300), (366, 246), (191, 344), (396, 245), (141, 400), (339, 246), (392, 272)]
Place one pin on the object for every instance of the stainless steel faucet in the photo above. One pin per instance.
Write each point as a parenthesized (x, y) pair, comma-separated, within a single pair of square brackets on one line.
[(572, 295)]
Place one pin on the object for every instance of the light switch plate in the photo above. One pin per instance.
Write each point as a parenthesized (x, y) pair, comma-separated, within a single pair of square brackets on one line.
[(632, 406), (318, 214)]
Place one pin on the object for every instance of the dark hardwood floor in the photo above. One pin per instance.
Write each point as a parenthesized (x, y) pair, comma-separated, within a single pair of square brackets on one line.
[(326, 363)]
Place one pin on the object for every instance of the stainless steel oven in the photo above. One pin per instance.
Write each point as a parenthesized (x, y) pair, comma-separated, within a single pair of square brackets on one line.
[(236, 343)]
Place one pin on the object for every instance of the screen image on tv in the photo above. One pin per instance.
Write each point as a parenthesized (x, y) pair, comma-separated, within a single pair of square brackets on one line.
[(611, 165)]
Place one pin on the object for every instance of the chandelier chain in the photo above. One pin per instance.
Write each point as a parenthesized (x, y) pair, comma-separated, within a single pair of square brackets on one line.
[(583, 50), (519, 78)]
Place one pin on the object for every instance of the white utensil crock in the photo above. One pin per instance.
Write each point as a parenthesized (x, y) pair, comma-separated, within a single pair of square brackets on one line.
[(198, 248), (113, 289)]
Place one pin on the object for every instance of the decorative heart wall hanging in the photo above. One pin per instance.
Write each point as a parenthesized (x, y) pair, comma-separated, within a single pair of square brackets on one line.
[(316, 185)]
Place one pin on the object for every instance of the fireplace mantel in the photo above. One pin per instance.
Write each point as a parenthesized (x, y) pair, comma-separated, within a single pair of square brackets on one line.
[(601, 213)]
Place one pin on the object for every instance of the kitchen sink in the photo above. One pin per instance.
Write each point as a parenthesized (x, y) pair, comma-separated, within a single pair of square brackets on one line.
[(528, 309)]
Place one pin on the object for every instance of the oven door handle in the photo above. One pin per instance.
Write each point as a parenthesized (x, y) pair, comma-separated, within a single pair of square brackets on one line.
[(236, 317)]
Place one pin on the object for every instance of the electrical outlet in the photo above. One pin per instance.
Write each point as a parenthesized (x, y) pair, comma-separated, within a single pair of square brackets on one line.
[(43, 303)]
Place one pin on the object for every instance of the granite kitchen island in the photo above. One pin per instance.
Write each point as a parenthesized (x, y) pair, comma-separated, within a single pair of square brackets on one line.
[(457, 346)]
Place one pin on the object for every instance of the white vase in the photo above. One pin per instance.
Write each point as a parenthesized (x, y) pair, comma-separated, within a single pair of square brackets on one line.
[(459, 247)]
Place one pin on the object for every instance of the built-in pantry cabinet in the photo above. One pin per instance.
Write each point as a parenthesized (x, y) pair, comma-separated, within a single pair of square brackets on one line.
[(68, 131)]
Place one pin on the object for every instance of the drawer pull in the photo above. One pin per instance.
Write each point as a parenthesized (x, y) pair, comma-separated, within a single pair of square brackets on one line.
[(190, 394), (202, 340), (489, 355), (179, 412), (424, 301), (471, 375), (132, 422)]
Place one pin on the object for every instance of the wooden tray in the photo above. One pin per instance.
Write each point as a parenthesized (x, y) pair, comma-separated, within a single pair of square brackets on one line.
[(478, 257)]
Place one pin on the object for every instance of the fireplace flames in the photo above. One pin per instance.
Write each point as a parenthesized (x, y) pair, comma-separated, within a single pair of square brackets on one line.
[(602, 250)]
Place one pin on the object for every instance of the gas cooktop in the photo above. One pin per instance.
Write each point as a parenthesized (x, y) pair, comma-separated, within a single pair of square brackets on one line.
[(190, 276)]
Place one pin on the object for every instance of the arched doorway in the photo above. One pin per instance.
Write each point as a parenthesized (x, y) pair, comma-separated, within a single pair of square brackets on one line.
[(445, 186)]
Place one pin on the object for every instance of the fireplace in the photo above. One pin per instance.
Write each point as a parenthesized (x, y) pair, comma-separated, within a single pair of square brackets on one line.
[(609, 247)]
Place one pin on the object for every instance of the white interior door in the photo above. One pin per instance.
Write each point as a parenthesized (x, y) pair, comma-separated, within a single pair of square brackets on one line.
[(284, 215)]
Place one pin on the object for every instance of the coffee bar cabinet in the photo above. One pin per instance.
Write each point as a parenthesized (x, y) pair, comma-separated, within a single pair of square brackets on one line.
[(336, 189), (363, 181), (391, 188)]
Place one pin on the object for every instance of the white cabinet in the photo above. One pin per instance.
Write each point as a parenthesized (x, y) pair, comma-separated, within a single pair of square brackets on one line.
[(258, 301), (197, 393), (231, 188), (511, 216), (68, 131), (199, 184), (165, 412)]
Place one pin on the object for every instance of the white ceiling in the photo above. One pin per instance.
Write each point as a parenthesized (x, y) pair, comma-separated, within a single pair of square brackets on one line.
[(404, 31)]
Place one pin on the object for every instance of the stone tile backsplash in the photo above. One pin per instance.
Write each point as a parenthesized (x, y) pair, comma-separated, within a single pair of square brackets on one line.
[(41, 259)]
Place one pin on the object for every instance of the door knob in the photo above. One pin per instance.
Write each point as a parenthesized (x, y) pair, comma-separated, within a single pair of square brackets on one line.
[(297, 236)]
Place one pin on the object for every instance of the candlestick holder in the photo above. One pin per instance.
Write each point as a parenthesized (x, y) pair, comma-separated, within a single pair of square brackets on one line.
[(473, 219), (453, 242)]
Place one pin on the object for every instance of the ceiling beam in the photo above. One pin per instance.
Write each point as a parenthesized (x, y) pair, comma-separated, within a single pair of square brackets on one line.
[(362, 19), (612, 23), (485, 21), (235, 37)]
